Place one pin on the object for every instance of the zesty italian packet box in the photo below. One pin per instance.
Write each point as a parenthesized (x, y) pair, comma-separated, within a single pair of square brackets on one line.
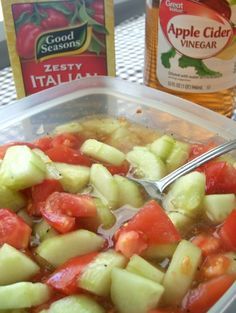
[(51, 42)]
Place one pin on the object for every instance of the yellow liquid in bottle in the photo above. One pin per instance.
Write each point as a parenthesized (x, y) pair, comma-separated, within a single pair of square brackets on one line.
[(221, 102)]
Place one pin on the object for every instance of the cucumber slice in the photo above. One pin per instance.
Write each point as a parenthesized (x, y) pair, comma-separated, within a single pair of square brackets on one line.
[(15, 266), (132, 293), (96, 278), (178, 156), (25, 216), (11, 199), (105, 184), (51, 170), (147, 165), (59, 249), (140, 266), (71, 127), (43, 230), (21, 168), (186, 195), (159, 252), (181, 221), (104, 217), (181, 272), (73, 177), (218, 207), (75, 304), (104, 126), (162, 146), (129, 192), (23, 295), (123, 139), (102, 152)]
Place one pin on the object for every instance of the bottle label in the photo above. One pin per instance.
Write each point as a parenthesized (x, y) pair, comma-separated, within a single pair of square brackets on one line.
[(197, 45)]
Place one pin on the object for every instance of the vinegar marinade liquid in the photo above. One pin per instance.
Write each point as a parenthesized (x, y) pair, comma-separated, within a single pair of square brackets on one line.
[(191, 50)]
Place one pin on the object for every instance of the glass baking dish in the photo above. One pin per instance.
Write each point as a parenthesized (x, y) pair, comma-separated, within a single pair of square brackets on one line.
[(40, 113)]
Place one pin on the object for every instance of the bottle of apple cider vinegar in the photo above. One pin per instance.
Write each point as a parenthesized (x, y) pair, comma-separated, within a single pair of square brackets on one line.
[(191, 50)]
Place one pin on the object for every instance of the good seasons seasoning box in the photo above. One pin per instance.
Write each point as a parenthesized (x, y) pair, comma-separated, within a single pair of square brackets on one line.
[(51, 42)]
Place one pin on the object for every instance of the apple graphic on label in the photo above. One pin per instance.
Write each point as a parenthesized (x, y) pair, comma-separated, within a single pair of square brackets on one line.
[(221, 6)]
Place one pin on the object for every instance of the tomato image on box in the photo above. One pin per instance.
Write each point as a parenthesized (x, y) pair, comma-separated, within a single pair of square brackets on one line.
[(58, 41)]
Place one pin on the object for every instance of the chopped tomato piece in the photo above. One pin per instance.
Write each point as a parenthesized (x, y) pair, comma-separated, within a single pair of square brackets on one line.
[(64, 279), (207, 243), (3, 149), (198, 149), (215, 265), (68, 155), (34, 209), (153, 223), (202, 298), (40, 193), (43, 190), (119, 170), (61, 208), (65, 139), (13, 230), (228, 231), (131, 242), (68, 140), (220, 177), (44, 143)]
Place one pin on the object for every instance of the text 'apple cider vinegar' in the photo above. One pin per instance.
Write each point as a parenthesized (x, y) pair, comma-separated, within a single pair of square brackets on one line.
[(191, 50)]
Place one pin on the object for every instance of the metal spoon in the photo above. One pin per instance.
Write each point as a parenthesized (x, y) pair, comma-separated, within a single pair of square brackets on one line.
[(155, 188)]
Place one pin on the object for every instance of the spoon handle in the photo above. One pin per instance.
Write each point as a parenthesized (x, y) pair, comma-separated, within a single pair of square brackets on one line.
[(188, 167)]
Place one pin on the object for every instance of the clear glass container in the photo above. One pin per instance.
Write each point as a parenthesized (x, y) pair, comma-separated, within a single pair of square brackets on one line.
[(40, 113)]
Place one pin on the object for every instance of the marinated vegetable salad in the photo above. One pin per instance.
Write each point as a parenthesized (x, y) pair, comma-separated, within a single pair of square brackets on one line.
[(65, 242)]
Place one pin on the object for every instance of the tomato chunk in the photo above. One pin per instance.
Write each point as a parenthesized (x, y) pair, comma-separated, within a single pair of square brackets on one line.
[(215, 265), (202, 298), (228, 231), (152, 223), (207, 243), (13, 230), (131, 242), (68, 140), (61, 209), (43, 143), (64, 279), (220, 177), (198, 149), (119, 170), (68, 155), (40, 193), (43, 190)]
